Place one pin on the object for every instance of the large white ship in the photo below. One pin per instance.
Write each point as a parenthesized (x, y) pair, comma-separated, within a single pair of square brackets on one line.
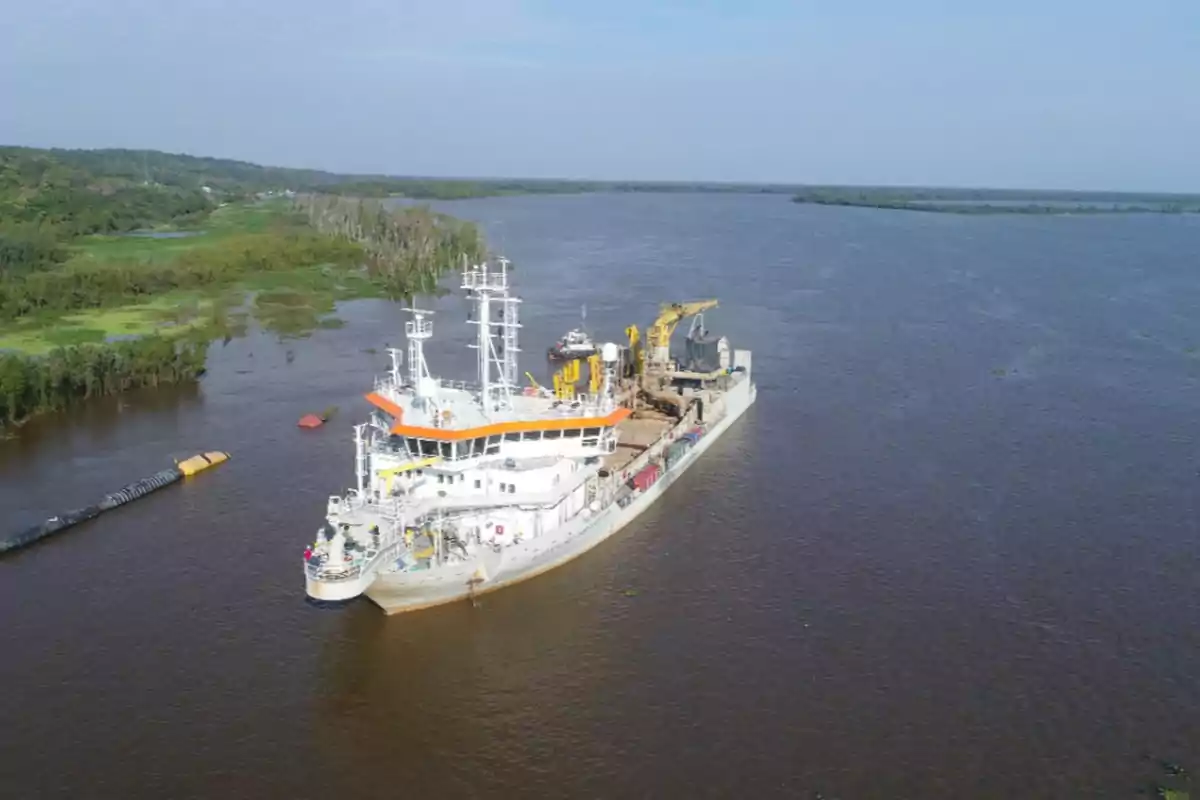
[(464, 488)]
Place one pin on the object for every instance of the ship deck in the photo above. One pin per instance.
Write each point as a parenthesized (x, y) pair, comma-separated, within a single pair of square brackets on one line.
[(634, 435)]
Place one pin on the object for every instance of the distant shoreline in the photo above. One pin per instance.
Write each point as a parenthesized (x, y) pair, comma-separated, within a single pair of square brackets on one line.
[(993, 202)]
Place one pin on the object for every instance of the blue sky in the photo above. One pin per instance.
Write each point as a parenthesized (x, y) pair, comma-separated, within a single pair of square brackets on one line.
[(1066, 93)]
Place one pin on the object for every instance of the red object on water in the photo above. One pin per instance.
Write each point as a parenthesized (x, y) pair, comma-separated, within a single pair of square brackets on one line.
[(310, 421)]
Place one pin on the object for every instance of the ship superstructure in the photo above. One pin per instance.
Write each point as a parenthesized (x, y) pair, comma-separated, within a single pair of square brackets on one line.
[(461, 488)]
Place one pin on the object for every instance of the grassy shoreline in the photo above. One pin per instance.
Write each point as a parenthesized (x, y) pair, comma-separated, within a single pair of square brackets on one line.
[(135, 311)]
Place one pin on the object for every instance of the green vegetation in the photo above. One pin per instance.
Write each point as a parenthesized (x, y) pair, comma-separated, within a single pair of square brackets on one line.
[(230, 180), (998, 201), (45, 202), (406, 251), (87, 309), (99, 283), (34, 384)]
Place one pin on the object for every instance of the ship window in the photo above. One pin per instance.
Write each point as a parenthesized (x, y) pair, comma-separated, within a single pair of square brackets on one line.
[(478, 484), (512, 488), (515, 436), (493, 445), (428, 447), (446, 450), (441, 478), (552, 434), (591, 432), (572, 433), (533, 436)]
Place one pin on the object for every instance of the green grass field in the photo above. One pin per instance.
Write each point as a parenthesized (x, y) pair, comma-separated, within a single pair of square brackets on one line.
[(288, 303), (226, 221), (171, 314)]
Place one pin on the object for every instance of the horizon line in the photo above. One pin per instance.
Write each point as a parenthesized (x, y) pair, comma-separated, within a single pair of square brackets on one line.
[(378, 176)]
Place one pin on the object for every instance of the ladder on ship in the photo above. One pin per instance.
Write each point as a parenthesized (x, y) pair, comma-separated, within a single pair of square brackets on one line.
[(508, 339)]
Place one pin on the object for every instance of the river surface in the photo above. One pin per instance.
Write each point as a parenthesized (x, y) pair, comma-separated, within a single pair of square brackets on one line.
[(951, 552)]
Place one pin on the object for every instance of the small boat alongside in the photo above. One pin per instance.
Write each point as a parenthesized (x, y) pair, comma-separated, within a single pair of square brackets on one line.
[(576, 344)]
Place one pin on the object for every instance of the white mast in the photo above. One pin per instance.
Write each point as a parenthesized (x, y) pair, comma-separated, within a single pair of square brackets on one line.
[(417, 330), (397, 359), (483, 284), (360, 458)]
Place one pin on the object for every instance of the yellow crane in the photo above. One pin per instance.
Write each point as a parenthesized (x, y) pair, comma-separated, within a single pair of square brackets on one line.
[(411, 465), (636, 355), (595, 373), (565, 379), (658, 335)]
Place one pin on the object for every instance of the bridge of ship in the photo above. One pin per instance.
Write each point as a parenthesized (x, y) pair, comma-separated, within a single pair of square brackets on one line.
[(460, 430)]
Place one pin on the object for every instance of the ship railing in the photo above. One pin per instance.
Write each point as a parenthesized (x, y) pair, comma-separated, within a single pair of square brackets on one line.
[(363, 560), (390, 388), (386, 385), (345, 504), (317, 570), (478, 279)]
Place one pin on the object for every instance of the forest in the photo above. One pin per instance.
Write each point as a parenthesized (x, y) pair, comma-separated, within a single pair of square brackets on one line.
[(232, 179), (405, 251), (46, 203)]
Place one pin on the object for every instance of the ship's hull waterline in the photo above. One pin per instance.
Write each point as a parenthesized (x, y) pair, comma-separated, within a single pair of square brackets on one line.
[(399, 592)]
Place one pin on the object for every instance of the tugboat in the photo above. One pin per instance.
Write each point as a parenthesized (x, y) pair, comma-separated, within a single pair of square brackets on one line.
[(575, 345)]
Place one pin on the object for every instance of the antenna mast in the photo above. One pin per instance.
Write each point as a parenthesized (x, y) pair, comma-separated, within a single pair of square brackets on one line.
[(494, 309), (417, 330)]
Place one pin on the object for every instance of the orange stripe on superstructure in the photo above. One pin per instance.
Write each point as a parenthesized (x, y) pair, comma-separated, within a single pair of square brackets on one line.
[(383, 404), (451, 434)]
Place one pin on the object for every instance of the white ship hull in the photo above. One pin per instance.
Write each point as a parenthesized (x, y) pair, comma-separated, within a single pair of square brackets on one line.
[(464, 489), (408, 591)]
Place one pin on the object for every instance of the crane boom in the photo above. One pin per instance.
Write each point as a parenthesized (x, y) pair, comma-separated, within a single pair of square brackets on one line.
[(659, 333)]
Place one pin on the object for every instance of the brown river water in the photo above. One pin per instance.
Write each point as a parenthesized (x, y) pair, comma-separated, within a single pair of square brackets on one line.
[(951, 552)]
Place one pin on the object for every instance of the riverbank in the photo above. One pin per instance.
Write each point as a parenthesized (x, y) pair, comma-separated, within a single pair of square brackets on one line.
[(282, 265), (999, 201)]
